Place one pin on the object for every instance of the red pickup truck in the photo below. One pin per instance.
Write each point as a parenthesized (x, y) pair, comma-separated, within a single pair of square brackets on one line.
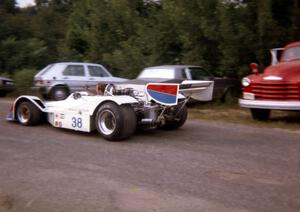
[(278, 87)]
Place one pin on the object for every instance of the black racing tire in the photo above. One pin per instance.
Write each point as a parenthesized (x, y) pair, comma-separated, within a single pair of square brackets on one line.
[(260, 114), (178, 121), (28, 114), (59, 93), (130, 121), (115, 122)]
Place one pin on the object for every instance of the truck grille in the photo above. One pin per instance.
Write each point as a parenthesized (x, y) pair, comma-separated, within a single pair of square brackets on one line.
[(273, 91)]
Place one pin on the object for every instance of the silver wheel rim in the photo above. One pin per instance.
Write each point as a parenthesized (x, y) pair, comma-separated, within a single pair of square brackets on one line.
[(23, 114), (107, 122)]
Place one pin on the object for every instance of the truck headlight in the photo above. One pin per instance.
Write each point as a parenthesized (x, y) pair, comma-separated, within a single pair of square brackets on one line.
[(246, 82)]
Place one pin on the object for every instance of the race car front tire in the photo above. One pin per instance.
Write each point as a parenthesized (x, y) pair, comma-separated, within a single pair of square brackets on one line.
[(115, 122), (28, 114)]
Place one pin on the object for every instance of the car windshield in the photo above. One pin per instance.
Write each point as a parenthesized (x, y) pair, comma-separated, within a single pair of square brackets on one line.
[(157, 73), (199, 73), (45, 70), (292, 53)]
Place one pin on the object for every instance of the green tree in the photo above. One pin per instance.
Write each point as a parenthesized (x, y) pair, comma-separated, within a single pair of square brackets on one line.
[(197, 25), (8, 6), (237, 37), (267, 30), (79, 29), (49, 25), (14, 54)]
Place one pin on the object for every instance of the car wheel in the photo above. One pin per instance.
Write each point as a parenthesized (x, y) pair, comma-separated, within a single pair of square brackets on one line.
[(115, 122), (28, 114), (228, 95), (178, 121), (59, 93), (260, 114)]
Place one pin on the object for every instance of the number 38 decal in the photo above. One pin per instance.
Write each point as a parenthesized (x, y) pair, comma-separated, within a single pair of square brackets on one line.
[(76, 122)]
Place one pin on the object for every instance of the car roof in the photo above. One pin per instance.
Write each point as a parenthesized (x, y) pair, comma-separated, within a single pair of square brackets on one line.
[(76, 63), (173, 66)]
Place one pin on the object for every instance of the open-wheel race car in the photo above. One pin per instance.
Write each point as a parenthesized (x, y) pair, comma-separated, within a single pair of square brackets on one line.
[(115, 110)]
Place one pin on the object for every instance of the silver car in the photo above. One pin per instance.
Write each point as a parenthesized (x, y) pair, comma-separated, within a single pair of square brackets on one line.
[(58, 80)]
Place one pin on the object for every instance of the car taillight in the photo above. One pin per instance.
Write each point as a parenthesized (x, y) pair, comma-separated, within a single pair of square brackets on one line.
[(38, 82), (41, 82)]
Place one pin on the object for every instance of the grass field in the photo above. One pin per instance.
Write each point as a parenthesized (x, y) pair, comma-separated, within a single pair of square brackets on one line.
[(232, 113)]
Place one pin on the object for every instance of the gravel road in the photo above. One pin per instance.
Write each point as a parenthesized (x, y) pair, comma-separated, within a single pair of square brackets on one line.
[(204, 166)]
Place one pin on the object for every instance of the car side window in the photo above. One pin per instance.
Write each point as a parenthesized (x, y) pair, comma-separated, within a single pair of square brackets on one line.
[(97, 71), (200, 74), (74, 70)]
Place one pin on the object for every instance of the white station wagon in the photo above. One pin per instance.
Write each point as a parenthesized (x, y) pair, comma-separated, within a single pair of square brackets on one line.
[(58, 80)]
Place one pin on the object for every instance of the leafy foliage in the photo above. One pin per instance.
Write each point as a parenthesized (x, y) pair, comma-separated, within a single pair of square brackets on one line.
[(23, 80), (127, 35)]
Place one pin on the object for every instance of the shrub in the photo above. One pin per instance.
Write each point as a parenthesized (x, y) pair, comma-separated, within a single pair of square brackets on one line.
[(23, 81)]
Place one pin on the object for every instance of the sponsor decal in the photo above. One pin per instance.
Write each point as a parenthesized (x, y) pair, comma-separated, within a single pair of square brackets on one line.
[(166, 94)]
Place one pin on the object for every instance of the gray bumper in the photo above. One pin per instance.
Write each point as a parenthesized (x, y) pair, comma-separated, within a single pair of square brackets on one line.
[(276, 105)]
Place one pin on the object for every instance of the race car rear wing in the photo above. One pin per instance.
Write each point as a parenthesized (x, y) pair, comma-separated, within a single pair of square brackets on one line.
[(168, 93), (198, 90)]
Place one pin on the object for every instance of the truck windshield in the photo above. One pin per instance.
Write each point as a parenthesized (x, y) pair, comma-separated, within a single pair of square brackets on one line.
[(292, 53)]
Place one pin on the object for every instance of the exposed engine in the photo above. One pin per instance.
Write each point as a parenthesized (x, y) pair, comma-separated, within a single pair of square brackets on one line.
[(149, 113)]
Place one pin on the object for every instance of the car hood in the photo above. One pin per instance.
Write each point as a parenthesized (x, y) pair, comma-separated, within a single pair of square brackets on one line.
[(287, 71)]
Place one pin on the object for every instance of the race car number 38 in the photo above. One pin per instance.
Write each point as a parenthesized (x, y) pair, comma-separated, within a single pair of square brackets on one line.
[(76, 122)]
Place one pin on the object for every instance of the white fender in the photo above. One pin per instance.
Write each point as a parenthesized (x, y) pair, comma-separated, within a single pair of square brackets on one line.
[(34, 99)]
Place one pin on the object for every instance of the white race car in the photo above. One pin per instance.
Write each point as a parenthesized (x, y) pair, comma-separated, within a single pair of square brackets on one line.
[(116, 110)]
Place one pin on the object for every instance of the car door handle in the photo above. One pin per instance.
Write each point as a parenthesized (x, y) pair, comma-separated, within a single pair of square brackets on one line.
[(91, 78), (66, 78)]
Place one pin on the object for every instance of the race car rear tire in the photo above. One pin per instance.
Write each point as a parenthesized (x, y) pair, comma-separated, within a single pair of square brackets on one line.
[(178, 121), (115, 122), (28, 114)]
